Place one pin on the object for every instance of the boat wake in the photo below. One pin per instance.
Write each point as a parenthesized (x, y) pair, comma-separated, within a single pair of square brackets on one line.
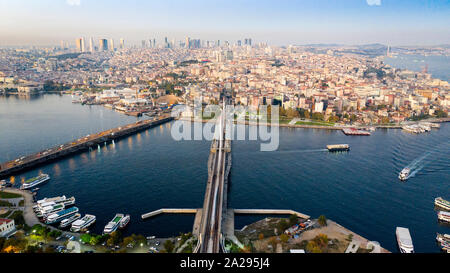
[(419, 163)]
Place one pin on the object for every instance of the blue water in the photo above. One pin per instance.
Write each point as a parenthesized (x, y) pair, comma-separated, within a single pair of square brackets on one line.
[(150, 170), (438, 66)]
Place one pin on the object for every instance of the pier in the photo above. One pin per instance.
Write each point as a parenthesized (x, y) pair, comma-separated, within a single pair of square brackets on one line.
[(78, 145)]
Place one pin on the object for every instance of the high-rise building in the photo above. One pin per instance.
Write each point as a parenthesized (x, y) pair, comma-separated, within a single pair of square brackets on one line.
[(187, 43), (143, 45), (103, 45), (62, 45), (91, 45), (239, 43), (111, 44), (122, 43), (80, 45)]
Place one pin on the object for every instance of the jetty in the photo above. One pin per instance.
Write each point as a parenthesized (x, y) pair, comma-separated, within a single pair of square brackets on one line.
[(84, 143)]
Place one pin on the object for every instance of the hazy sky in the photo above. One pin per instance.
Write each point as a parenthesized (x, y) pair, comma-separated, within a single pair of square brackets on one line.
[(279, 22)]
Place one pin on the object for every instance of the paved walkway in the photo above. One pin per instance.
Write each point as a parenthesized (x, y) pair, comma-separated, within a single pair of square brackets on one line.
[(28, 213)]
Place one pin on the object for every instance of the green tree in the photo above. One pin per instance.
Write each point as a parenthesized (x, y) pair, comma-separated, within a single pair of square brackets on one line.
[(284, 238), (293, 219), (169, 246), (322, 220)]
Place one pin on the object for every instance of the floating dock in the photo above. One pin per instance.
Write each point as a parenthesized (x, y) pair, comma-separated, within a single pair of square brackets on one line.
[(76, 146), (355, 132)]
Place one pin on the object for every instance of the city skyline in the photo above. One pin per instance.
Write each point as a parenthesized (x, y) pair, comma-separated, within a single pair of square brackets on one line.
[(396, 23)]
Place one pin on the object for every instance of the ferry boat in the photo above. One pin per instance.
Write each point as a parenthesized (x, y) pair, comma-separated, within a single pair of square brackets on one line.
[(83, 223), (404, 174), (66, 222), (125, 220), (60, 215), (32, 182), (49, 210), (57, 200), (442, 203), (113, 224), (338, 147), (444, 216), (404, 240), (443, 238)]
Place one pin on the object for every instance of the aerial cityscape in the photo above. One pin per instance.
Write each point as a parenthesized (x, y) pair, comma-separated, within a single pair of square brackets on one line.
[(203, 135)]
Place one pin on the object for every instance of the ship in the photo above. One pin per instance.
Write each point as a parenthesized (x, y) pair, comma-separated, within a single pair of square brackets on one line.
[(443, 238), (338, 147), (444, 216), (404, 174), (42, 213), (355, 132), (442, 203), (125, 220), (66, 222), (404, 240), (114, 224), (32, 182), (60, 215), (83, 223)]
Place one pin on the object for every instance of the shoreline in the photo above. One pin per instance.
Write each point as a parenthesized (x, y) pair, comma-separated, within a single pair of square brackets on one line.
[(433, 120)]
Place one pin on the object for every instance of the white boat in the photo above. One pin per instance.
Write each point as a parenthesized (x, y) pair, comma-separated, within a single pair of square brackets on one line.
[(45, 211), (404, 240), (125, 220), (443, 238), (66, 222), (404, 174), (60, 215), (32, 182), (114, 224), (83, 223), (442, 203), (444, 216), (58, 199)]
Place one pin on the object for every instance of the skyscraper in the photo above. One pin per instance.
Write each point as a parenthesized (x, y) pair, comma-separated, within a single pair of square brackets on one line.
[(143, 44), (103, 45), (187, 43), (80, 45), (122, 43), (91, 45), (111, 44)]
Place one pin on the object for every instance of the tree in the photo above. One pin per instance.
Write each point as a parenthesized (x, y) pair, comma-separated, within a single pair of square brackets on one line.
[(283, 225), (94, 240), (284, 238), (273, 242), (293, 219), (169, 246), (312, 247), (322, 220)]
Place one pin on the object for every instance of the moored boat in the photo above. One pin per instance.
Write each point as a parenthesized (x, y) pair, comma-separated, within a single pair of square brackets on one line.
[(66, 222), (83, 223), (32, 182), (442, 203), (60, 215), (114, 224), (444, 216), (125, 220), (404, 240)]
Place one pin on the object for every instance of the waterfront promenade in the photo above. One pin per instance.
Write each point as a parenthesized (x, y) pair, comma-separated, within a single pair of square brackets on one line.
[(78, 145)]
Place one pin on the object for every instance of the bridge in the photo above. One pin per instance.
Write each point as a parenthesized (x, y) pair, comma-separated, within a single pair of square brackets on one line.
[(215, 201)]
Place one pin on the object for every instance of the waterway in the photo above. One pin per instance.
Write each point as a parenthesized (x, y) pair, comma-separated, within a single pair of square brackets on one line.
[(150, 170)]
